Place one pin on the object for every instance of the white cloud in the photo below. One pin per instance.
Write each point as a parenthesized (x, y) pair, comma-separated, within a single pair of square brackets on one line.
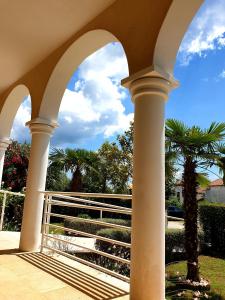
[(95, 106), (206, 32), (222, 74), (19, 131)]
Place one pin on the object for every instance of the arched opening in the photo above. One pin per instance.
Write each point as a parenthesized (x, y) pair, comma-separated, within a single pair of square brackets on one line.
[(94, 108), (71, 59), (15, 149), (18, 99)]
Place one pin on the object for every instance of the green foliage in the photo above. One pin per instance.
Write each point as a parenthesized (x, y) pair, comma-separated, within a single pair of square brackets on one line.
[(77, 161), (56, 180), (115, 234), (175, 244), (13, 213), (196, 148), (16, 166), (84, 216), (120, 251), (211, 269), (212, 217), (93, 228), (220, 160), (173, 201), (123, 252), (114, 168)]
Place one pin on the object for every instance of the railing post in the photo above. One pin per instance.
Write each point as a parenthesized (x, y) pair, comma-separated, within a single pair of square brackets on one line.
[(3, 211), (44, 221), (166, 219), (100, 214), (49, 207)]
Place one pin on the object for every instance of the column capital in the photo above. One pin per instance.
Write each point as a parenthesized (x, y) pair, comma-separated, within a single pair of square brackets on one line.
[(4, 143), (151, 80), (39, 125)]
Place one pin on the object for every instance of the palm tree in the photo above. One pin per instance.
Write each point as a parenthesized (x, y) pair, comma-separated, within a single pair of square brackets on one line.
[(220, 160), (77, 161), (196, 148)]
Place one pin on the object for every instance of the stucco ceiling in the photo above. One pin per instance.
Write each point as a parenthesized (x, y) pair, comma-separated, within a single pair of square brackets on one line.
[(31, 29)]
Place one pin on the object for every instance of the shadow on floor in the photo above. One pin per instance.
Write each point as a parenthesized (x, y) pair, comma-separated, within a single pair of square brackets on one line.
[(87, 284), (10, 251)]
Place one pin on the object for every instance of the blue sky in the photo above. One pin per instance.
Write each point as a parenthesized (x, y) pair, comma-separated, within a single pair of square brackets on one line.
[(96, 108)]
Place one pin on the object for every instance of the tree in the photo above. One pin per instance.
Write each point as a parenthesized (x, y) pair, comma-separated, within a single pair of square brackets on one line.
[(109, 172), (220, 160), (114, 168), (56, 179), (126, 145), (170, 171), (197, 148), (16, 166), (77, 161)]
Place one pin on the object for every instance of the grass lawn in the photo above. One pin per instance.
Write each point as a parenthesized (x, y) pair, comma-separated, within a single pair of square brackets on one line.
[(212, 269), (56, 230)]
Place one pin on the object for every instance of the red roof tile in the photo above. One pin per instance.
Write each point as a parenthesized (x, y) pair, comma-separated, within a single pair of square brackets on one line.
[(217, 182)]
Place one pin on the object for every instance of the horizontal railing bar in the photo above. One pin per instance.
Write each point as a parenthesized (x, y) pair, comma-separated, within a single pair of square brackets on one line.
[(114, 257), (12, 193), (90, 221), (90, 195), (90, 201), (90, 235), (175, 218), (62, 203), (83, 261)]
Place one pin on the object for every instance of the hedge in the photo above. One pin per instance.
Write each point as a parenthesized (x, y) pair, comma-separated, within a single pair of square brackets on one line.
[(13, 212), (93, 228), (212, 218), (115, 234), (175, 244), (175, 248)]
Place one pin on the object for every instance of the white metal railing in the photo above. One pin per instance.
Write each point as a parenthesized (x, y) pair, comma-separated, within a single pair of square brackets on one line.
[(4, 203), (83, 201)]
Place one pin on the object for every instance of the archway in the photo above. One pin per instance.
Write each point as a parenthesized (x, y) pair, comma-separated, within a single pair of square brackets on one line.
[(15, 113), (69, 62), (10, 108)]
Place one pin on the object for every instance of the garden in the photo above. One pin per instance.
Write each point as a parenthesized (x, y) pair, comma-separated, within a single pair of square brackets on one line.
[(195, 256)]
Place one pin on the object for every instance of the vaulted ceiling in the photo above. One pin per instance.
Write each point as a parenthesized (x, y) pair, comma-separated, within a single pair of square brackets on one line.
[(30, 30)]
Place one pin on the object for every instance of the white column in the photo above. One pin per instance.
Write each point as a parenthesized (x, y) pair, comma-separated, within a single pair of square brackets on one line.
[(41, 132), (4, 143), (148, 218)]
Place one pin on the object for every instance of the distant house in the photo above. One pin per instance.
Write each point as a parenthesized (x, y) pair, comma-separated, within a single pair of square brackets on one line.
[(216, 191), (179, 192)]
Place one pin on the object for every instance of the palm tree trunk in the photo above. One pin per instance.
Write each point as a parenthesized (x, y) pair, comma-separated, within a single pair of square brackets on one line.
[(76, 182), (191, 216)]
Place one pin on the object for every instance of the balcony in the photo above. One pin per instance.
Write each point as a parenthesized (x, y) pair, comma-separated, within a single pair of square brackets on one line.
[(54, 272)]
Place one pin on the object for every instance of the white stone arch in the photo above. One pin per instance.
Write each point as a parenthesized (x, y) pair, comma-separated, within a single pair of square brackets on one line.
[(66, 66), (171, 34), (10, 108)]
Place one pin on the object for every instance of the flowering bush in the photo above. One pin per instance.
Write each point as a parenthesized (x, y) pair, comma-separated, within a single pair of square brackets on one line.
[(16, 166)]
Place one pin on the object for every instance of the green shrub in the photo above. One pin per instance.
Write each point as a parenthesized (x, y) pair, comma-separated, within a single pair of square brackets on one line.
[(84, 216), (173, 201), (175, 244), (93, 228), (116, 234), (13, 212), (117, 250), (212, 218), (175, 248)]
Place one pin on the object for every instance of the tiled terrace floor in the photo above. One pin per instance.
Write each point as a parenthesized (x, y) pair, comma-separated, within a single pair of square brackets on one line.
[(31, 276)]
